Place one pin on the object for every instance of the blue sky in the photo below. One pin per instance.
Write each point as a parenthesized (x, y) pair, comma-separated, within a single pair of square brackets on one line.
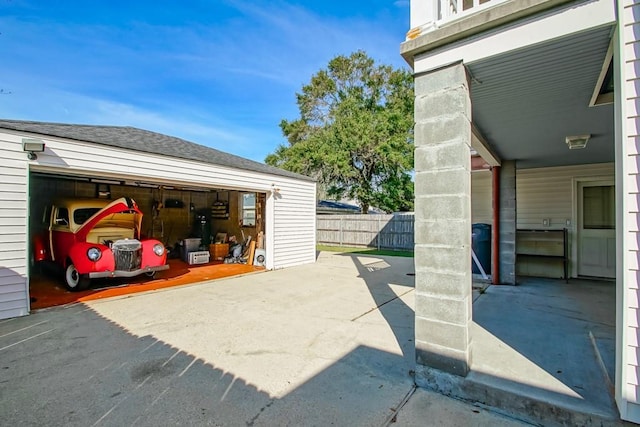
[(221, 73)]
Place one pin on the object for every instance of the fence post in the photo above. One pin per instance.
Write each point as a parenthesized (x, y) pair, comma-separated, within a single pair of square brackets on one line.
[(379, 232), (340, 232)]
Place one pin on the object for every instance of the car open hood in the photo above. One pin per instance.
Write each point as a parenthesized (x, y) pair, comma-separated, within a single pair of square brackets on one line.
[(121, 205)]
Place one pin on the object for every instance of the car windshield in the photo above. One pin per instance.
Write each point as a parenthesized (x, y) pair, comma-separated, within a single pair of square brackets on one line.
[(80, 216)]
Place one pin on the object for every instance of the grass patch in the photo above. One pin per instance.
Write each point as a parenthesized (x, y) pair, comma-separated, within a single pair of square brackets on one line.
[(365, 251)]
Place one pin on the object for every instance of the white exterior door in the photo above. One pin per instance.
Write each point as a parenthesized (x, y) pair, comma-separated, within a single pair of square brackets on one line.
[(596, 229)]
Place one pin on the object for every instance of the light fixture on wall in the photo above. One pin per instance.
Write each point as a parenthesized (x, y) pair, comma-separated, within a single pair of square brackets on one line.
[(577, 142), (32, 146)]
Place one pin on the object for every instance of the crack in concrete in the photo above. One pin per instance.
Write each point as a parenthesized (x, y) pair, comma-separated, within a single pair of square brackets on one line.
[(377, 307)]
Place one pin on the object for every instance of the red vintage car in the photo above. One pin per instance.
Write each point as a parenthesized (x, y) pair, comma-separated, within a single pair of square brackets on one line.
[(92, 238)]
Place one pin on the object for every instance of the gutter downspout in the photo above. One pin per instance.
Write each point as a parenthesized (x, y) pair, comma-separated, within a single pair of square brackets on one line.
[(495, 229)]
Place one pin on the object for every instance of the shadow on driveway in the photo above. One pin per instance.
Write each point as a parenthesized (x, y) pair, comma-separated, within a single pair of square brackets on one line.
[(71, 366)]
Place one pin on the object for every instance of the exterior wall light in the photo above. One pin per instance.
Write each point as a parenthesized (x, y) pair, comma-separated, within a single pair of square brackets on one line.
[(577, 142), (32, 146)]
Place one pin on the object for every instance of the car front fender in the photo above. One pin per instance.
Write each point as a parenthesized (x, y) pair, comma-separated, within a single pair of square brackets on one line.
[(79, 258)]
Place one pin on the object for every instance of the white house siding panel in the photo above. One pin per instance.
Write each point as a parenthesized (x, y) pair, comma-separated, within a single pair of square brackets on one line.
[(633, 317), (632, 299), (633, 376), (628, 393), (548, 193), (295, 225), (481, 197), (14, 173), (632, 337)]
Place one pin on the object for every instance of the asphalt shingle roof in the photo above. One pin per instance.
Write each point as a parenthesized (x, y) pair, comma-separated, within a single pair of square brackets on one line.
[(144, 141)]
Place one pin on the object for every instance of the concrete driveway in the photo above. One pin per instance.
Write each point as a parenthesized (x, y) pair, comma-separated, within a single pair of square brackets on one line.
[(324, 344)]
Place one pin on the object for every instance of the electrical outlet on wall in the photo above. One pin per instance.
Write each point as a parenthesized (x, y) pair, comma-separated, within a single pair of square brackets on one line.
[(546, 222)]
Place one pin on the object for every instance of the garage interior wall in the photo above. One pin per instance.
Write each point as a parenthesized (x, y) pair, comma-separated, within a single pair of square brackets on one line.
[(174, 223)]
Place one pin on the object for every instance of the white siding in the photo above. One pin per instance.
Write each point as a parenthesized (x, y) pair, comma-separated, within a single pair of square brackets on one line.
[(14, 292), (544, 193), (628, 158), (481, 198), (548, 193), (295, 224)]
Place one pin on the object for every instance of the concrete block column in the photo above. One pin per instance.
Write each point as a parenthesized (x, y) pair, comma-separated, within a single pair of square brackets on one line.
[(508, 222), (443, 221)]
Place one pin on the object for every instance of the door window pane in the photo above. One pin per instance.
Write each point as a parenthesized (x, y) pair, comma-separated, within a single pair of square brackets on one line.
[(599, 207), (62, 216)]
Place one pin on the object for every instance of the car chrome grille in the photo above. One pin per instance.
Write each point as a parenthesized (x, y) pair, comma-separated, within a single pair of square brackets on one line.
[(127, 254)]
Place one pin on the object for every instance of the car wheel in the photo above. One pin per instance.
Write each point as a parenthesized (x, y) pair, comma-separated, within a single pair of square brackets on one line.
[(150, 274), (75, 281)]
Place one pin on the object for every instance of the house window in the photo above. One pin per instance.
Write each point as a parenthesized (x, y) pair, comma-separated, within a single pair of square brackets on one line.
[(248, 209)]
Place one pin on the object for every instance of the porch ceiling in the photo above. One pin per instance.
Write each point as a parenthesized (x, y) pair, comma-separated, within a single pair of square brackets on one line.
[(527, 101)]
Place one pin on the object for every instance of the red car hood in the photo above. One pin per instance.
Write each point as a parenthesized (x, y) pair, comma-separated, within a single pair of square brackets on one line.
[(121, 205)]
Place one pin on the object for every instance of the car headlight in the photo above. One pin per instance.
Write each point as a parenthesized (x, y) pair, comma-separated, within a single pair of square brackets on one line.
[(94, 254), (158, 249)]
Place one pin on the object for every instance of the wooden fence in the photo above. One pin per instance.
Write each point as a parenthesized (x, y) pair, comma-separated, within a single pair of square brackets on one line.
[(376, 231)]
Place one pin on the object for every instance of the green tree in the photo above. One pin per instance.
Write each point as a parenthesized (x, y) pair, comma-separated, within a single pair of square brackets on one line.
[(354, 133)]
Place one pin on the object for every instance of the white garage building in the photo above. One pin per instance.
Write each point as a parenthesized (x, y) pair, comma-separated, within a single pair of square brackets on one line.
[(76, 159)]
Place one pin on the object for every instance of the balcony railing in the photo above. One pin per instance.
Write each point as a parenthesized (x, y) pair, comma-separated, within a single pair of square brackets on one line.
[(428, 15)]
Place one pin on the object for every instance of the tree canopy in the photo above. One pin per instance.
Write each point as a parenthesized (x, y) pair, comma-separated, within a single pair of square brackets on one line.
[(354, 133)]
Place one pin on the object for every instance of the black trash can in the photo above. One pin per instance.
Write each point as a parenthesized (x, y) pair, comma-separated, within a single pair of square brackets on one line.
[(481, 245)]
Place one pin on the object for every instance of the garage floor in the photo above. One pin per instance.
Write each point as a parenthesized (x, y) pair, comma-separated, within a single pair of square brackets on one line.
[(47, 289)]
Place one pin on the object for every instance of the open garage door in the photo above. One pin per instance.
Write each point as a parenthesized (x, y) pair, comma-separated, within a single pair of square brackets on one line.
[(207, 233)]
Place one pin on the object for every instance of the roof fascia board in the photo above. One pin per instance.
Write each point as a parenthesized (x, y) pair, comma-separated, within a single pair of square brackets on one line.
[(49, 162), (488, 16), (482, 147), (545, 27), (596, 98)]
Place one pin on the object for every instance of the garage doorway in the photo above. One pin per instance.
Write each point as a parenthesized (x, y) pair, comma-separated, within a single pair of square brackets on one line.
[(173, 214)]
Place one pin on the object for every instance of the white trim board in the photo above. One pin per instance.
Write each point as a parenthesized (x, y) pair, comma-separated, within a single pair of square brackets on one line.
[(577, 18)]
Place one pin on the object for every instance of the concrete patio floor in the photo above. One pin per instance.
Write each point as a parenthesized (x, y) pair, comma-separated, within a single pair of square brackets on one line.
[(324, 344), (545, 351)]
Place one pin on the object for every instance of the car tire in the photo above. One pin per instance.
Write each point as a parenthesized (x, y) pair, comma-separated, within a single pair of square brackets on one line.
[(75, 281)]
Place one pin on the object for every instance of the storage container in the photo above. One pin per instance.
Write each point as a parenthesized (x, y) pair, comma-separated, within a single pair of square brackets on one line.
[(189, 245), (199, 257), (219, 251), (192, 245)]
